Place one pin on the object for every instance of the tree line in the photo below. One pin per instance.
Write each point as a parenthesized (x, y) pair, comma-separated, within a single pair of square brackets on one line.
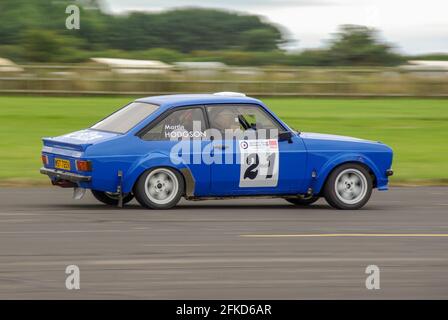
[(34, 31)]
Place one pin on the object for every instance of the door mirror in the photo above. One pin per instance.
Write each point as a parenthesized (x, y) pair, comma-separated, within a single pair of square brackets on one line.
[(285, 136)]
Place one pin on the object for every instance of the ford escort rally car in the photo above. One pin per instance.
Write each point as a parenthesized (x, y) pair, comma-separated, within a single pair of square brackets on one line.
[(212, 146)]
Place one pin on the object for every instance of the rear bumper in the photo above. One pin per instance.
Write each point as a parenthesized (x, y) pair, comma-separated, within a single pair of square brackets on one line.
[(63, 175)]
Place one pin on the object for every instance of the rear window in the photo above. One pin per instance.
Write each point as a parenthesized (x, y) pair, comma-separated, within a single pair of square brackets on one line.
[(126, 118)]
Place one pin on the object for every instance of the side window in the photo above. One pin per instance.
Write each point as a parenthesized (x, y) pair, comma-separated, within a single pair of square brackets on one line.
[(223, 117), (243, 117), (255, 118), (184, 123)]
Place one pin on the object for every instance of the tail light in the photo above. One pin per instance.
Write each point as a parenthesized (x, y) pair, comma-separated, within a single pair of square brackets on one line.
[(44, 159), (83, 165)]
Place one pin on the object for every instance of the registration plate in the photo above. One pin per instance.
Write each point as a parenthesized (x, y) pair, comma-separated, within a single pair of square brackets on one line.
[(62, 164)]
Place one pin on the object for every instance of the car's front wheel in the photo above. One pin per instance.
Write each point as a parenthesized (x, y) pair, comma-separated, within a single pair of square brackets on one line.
[(348, 187), (159, 188), (111, 198)]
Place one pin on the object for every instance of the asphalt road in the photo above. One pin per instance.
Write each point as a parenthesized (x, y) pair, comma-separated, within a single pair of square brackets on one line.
[(234, 249)]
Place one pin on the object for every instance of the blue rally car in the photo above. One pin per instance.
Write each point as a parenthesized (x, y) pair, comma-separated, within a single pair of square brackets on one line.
[(212, 146)]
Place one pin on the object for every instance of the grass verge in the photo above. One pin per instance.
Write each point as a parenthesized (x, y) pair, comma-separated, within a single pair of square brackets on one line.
[(416, 129)]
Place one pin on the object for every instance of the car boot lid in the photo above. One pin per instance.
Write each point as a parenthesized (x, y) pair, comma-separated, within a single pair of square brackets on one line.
[(78, 140)]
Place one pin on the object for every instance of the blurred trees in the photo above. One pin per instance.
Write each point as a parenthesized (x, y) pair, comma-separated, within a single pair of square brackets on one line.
[(25, 23), (34, 30), (431, 56), (352, 45), (44, 45), (359, 45), (259, 40), (41, 45)]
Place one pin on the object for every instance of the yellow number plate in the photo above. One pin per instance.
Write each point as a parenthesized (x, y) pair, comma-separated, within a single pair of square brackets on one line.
[(61, 164)]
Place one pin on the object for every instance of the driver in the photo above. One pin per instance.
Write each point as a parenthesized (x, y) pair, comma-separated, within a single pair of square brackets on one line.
[(225, 119)]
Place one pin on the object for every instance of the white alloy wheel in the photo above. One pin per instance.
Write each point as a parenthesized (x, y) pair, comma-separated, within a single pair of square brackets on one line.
[(161, 186), (351, 186)]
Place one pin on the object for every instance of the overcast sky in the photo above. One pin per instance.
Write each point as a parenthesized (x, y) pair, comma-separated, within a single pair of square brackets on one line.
[(414, 26)]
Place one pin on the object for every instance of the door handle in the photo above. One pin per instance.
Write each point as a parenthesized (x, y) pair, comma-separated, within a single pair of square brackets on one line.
[(220, 146)]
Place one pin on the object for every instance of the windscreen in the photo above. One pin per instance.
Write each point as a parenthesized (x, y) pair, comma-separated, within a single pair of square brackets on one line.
[(126, 118)]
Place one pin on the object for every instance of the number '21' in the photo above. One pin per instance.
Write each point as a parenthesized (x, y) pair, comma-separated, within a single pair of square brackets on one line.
[(253, 160)]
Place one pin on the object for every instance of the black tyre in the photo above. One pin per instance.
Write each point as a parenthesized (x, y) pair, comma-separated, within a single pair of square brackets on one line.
[(111, 198), (348, 187), (159, 188), (302, 200)]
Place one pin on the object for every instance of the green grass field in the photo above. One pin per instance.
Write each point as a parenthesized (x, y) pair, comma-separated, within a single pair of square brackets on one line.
[(417, 129)]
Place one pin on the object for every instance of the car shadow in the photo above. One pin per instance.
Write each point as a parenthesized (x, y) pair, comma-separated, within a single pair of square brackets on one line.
[(194, 206), (249, 206)]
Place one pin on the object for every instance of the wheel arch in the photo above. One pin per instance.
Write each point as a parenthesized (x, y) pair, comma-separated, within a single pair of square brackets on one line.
[(330, 166), (158, 160)]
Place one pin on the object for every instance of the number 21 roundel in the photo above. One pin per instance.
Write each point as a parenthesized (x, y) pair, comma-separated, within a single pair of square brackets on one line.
[(259, 163)]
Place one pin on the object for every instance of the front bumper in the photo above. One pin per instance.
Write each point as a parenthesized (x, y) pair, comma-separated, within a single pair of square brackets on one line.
[(63, 175)]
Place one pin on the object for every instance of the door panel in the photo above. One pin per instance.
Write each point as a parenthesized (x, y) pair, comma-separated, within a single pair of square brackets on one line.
[(260, 175), (261, 165)]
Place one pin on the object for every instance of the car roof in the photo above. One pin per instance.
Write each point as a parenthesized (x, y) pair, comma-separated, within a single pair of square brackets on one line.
[(177, 100)]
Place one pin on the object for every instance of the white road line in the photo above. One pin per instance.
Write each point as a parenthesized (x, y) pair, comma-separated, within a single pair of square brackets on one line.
[(333, 235)]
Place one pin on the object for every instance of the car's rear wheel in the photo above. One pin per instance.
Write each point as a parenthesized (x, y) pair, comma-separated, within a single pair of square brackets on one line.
[(302, 200), (159, 188), (111, 198), (348, 187)]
